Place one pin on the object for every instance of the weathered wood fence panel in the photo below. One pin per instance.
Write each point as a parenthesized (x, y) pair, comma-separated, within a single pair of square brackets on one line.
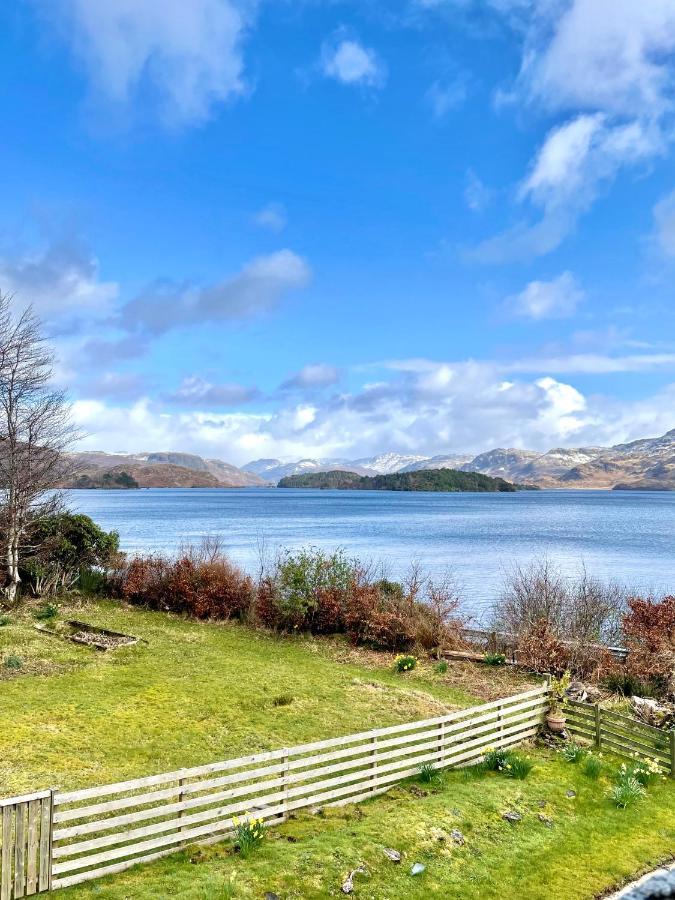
[(621, 734), (103, 830), (25, 845)]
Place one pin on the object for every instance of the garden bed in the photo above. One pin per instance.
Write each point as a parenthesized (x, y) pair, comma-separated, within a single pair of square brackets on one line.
[(90, 635)]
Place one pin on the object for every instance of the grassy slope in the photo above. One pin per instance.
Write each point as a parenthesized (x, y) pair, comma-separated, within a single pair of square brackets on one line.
[(199, 692), (193, 694), (590, 846)]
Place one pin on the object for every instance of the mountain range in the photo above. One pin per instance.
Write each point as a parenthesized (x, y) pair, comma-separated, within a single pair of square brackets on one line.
[(648, 463)]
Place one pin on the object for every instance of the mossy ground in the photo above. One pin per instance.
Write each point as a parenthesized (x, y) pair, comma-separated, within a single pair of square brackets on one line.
[(196, 692)]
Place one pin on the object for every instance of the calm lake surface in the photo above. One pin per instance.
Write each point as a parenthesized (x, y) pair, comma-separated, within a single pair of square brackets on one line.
[(629, 536)]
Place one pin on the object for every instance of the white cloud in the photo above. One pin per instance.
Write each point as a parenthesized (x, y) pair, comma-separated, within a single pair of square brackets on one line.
[(664, 225), (556, 299), (608, 66), (422, 406), (256, 289), (273, 217), (61, 282), (350, 62), (476, 194), (446, 96), (197, 393), (187, 52), (317, 375)]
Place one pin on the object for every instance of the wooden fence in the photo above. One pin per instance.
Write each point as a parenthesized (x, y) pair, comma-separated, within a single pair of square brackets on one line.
[(99, 831), (621, 734)]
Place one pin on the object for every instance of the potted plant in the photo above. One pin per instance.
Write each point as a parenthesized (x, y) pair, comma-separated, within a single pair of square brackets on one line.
[(555, 717)]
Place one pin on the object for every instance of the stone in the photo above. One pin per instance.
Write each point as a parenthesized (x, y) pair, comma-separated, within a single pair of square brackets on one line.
[(348, 884), (570, 794), (270, 895), (457, 837), (417, 869), (393, 855), (546, 820), (512, 816)]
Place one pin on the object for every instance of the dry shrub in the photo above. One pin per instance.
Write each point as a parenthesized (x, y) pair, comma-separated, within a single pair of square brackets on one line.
[(558, 623), (201, 583), (649, 627)]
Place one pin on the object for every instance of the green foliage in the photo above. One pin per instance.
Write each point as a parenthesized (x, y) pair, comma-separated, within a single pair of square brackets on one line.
[(5, 620), (283, 700), (65, 545), (106, 479), (249, 834), (592, 767), (405, 663), (494, 659), (517, 766), (441, 668), (646, 771), (628, 684), (494, 759), (445, 480), (46, 612), (13, 662), (429, 774), (559, 688), (626, 792), (300, 581), (572, 752)]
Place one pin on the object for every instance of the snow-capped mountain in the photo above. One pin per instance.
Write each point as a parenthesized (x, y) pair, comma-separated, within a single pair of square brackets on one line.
[(649, 461)]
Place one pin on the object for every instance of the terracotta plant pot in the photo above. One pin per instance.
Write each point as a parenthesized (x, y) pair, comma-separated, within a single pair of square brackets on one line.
[(556, 722)]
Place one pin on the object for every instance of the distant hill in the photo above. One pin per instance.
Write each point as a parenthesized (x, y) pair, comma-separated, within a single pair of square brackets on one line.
[(96, 469), (645, 464), (447, 480)]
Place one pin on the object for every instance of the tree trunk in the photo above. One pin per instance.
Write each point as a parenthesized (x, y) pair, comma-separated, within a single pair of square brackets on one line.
[(13, 580)]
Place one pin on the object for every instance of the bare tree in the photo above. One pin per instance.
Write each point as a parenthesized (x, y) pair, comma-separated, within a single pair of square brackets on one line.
[(35, 433)]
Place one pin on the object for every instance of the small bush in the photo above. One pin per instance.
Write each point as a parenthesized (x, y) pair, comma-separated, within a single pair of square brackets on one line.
[(495, 758), (46, 612), (429, 774), (494, 659), (283, 700), (517, 766), (626, 792), (645, 771), (572, 752), (405, 663), (592, 767), (13, 662), (249, 834), (441, 668), (5, 620), (628, 684)]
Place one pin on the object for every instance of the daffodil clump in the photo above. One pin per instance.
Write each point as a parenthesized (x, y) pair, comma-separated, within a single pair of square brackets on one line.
[(250, 833), (633, 780), (405, 663)]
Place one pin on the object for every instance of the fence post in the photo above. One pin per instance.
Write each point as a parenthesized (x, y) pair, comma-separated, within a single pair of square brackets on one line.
[(181, 797), (46, 839), (284, 776), (373, 764), (598, 729), (6, 884), (441, 742), (500, 724), (672, 752)]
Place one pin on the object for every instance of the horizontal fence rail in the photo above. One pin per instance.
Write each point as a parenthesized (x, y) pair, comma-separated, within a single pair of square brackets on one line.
[(103, 830), (621, 734)]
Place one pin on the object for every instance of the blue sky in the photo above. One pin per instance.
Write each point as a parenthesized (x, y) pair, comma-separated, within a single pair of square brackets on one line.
[(331, 229)]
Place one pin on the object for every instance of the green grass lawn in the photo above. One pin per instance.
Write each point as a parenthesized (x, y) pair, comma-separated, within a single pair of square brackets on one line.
[(589, 845), (198, 692), (194, 693)]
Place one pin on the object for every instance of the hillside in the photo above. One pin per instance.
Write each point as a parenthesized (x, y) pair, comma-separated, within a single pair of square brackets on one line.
[(645, 464), (97, 469), (446, 480), (162, 475)]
